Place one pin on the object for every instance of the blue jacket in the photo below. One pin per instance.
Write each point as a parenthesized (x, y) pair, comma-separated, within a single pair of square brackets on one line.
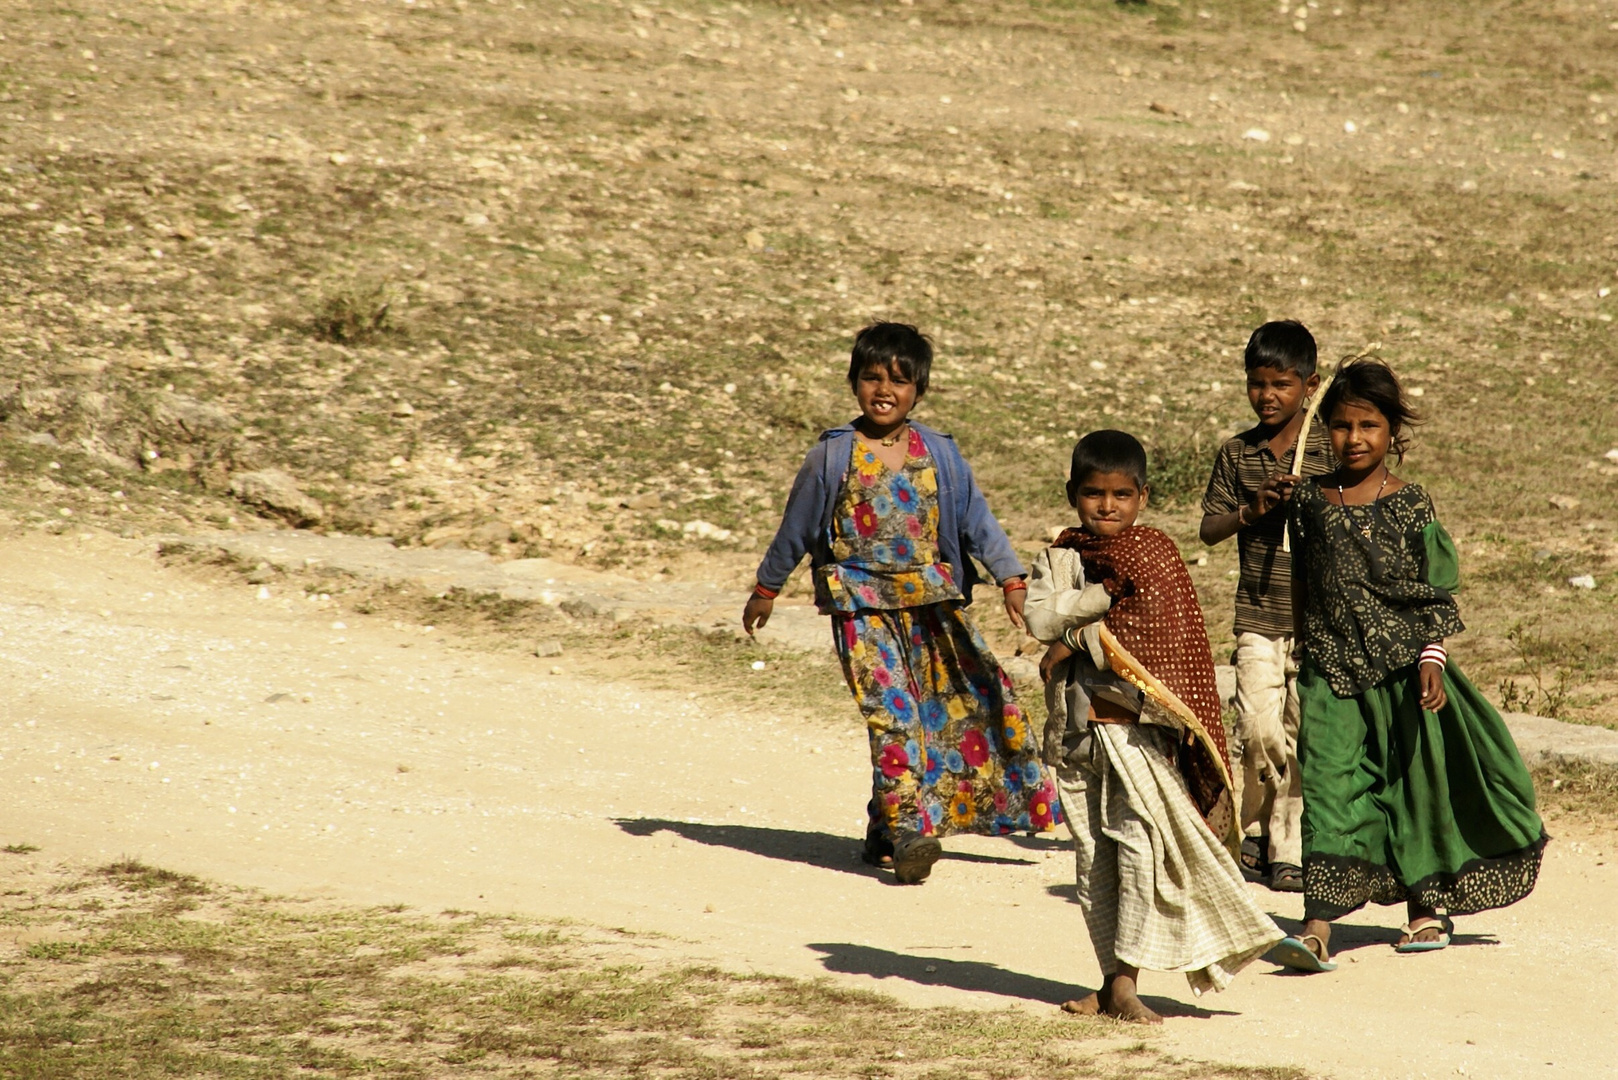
[(965, 525)]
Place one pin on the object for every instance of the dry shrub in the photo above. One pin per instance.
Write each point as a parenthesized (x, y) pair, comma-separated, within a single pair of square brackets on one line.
[(353, 313)]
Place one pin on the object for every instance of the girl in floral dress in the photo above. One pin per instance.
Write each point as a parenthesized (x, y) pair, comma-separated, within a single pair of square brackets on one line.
[(890, 516)]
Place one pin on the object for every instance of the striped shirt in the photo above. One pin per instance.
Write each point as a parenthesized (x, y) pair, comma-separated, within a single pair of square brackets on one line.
[(1264, 591)]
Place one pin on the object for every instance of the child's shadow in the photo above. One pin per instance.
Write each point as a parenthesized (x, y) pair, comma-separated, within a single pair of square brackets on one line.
[(975, 975), (1346, 938), (824, 850)]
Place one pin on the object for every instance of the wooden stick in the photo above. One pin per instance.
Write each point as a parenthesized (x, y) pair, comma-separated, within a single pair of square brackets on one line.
[(1309, 423)]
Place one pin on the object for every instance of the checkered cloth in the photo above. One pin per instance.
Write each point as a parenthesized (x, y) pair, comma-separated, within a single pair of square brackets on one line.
[(1158, 890)]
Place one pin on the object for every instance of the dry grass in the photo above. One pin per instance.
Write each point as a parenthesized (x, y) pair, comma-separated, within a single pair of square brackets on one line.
[(596, 220), (134, 971)]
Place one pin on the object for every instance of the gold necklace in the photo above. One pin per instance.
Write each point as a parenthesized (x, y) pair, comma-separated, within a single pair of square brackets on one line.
[(1343, 501), (893, 440)]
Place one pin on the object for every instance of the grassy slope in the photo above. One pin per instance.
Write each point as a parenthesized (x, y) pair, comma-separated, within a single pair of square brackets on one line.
[(625, 247)]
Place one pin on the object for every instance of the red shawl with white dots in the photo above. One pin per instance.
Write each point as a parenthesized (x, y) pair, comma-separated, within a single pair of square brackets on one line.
[(1156, 619)]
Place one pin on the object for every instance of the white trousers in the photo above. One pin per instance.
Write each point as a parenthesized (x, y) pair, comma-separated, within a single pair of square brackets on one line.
[(1266, 738)]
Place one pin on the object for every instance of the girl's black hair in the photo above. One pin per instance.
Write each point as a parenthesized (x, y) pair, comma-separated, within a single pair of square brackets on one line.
[(1364, 380), (892, 344), (1107, 451)]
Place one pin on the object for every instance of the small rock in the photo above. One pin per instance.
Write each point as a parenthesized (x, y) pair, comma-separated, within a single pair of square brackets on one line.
[(403, 408), (548, 648), (1610, 455), (705, 530), (758, 665), (45, 438), (580, 608), (555, 670), (1256, 135), (261, 574), (276, 492), (1564, 502), (493, 532), (475, 220), (1543, 554), (646, 500), (1583, 581), (755, 240)]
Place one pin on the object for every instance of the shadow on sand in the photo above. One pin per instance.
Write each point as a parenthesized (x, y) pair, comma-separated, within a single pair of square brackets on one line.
[(820, 849), (975, 975)]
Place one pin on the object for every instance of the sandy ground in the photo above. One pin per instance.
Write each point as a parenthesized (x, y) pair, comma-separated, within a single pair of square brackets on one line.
[(259, 742)]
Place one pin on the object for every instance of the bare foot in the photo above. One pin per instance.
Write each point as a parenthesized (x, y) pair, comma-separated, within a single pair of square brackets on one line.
[(1118, 1000), (1088, 1005)]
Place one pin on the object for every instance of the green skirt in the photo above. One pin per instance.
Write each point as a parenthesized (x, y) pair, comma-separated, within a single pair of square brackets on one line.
[(1402, 804)]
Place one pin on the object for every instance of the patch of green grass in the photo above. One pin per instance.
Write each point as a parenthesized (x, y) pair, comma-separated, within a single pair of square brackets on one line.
[(258, 988), (20, 849)]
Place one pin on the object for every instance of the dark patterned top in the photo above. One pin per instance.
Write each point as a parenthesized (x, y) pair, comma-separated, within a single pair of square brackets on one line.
[(1379, 579), (1264, 590)]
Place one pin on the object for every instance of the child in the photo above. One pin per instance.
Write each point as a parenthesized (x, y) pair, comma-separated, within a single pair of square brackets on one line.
[(1136, 741), (890, 516), (1413, 790), (1251, 479)]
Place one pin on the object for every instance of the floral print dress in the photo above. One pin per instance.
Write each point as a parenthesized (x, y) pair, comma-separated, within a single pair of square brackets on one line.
[(951, 751)]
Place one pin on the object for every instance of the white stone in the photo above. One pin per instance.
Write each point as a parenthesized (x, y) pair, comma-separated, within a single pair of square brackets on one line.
[(1582, 581), (1256, 135)]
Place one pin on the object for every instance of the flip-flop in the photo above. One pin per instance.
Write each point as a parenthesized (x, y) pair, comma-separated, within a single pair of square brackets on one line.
[(1291, 952), (1414, 946)]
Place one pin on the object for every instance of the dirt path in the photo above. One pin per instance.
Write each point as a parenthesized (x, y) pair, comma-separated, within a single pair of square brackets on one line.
[(258, 742)]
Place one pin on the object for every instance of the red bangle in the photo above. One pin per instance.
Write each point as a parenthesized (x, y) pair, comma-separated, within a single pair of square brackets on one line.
[(765, 594), (1014, 585)]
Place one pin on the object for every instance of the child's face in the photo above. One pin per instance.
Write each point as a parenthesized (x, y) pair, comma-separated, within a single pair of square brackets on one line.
[(885, 395), (1276, 395), (1360, 436), (1107, 502)]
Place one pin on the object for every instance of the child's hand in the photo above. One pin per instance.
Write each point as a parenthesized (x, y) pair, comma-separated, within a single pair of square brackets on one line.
[(1054, 656), (1432, 687), (1273, 492), (756, 613), (1015, 599)]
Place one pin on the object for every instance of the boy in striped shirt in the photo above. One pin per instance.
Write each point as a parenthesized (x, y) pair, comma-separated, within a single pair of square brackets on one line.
[(1250, 483)]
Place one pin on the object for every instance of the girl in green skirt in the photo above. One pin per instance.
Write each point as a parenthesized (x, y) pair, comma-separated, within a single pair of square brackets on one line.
[(1413, 790)]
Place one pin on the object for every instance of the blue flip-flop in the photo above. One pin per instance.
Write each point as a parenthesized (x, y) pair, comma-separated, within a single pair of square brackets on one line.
[(1291, 952), (1414, 946)]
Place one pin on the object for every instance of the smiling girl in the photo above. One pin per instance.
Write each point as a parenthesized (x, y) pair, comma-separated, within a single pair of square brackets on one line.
[(1413, 790), (891, 518)]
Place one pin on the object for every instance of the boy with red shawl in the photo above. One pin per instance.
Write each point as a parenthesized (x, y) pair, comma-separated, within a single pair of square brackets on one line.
[(1136, 742)]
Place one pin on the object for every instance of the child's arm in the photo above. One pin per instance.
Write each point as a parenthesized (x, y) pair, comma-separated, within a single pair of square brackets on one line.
[(1060, 604), (986, 540), (793, 538), (1225, 513)]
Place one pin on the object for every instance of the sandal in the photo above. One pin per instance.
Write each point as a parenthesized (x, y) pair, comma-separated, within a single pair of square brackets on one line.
[(913, 858), (1410, 930), (1284, 877), (1255, 858), (1296, 953), (878, 849)]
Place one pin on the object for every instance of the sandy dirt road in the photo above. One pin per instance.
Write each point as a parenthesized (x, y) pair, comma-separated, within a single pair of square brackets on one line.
[(256, 742)]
